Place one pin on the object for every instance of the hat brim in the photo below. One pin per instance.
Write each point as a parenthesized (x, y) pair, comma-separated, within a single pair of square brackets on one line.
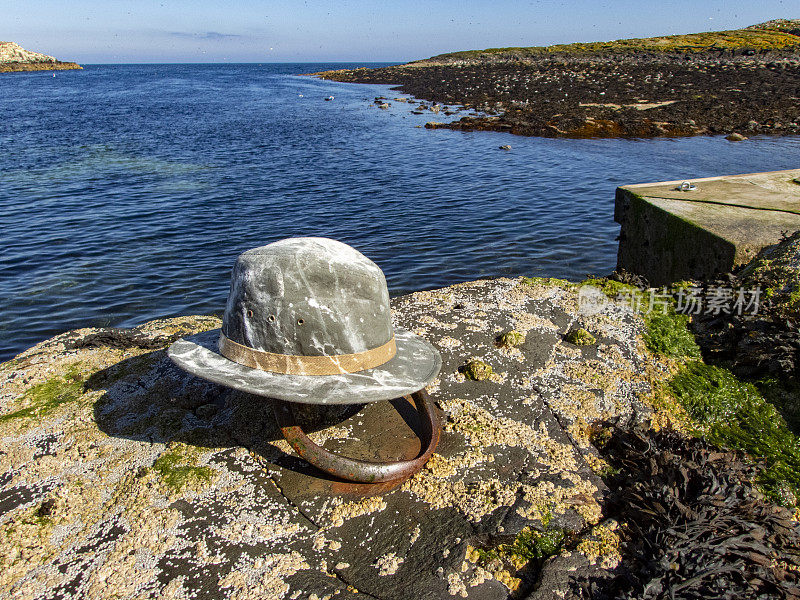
[(413, 367)]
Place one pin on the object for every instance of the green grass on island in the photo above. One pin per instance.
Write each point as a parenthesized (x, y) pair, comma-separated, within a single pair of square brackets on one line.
[(778, 35)]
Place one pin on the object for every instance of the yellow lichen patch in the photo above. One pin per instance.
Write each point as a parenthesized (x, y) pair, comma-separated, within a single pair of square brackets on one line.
[(342, 511), (507, 579), (485, 430), (415, 533), (249, 532), (546, 499), (329, 433), (498, 378), (26, 544), (598, 465), (603, 545), (599, 374), (147, 528)]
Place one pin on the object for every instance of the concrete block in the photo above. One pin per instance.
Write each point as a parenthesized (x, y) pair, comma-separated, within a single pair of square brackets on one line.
[(669, 235)]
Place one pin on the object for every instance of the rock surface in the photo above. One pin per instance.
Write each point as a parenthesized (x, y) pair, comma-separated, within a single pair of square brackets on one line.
[(125, 475), (14, 57)]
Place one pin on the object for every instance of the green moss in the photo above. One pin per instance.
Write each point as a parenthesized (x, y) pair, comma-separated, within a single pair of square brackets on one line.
[(529, 545), (580, 337), (476, 370), (178, 468), (667, 334), (44, 398), (609, 287), (735, 415), (509, 339)]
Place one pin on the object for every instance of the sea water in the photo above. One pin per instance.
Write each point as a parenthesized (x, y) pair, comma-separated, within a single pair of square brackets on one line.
[(127, 191)]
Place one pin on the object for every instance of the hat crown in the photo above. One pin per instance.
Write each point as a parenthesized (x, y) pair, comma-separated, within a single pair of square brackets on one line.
[(307, 297)]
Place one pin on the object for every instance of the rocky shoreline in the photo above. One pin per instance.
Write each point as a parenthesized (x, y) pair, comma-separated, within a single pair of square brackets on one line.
[(579, 93), (24, 67)]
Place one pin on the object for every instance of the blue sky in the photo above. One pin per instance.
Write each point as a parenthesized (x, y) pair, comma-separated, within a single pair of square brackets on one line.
[(92, 31)]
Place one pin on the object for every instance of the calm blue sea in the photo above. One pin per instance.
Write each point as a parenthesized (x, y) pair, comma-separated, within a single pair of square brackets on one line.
[(127, 191)]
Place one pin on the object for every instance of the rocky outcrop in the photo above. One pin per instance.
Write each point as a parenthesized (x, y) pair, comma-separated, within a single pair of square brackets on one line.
[(125, 475), (14, 57)]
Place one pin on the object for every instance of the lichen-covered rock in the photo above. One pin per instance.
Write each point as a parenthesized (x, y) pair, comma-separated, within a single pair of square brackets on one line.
[(125, 476)]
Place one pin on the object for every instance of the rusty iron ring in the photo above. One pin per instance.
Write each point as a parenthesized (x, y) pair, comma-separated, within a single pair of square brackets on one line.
[(360, 470)]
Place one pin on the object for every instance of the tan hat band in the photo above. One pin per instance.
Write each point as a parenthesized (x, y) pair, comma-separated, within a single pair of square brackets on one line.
[(292, 364)]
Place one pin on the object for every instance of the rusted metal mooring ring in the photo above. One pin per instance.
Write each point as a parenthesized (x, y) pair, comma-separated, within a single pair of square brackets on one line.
[(360, 470)]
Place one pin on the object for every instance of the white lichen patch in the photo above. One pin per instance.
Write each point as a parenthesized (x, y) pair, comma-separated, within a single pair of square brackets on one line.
[(388, 564), (448, 342), (455, 585), (526, 321), (263, 577)]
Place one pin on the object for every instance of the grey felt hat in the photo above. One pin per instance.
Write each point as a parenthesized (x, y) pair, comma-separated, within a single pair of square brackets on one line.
[(308, 320)]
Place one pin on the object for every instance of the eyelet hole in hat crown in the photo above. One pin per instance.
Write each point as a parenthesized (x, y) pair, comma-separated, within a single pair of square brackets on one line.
[(250, 313), (300, 321), (271, 318)]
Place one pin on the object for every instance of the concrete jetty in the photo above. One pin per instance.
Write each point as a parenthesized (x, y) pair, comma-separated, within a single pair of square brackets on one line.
[(669, 234)]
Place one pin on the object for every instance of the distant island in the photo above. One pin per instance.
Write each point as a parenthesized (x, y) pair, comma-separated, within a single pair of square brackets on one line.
[(741, 82), (14, 58)]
